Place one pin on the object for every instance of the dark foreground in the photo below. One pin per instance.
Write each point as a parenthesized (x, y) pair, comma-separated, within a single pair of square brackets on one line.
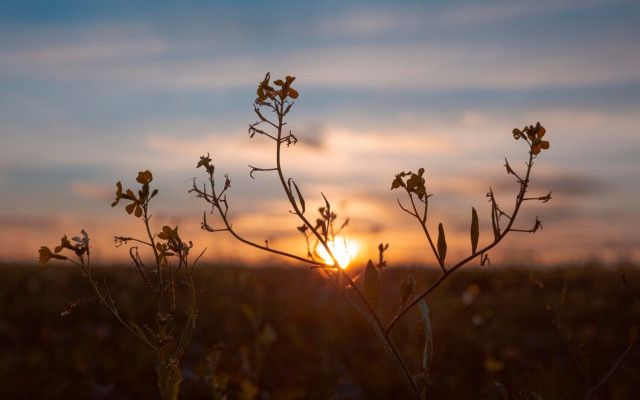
[(287, 335)]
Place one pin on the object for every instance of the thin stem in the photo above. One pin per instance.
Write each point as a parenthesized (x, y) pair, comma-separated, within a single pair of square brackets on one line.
[(519, 199), (368, 311), (374, 320), (160, 288), (613, 369), (423, 224), (87, 271)]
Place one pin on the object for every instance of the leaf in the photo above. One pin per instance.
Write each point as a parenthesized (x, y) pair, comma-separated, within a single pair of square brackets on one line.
[(326, 202), (496, 232), (372, 285), (424, 329), (475, 230), (293, 93), (300, 198), (442, 244)]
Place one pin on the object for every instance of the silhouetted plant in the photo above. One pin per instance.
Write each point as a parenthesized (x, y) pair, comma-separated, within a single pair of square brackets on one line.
[(162, 277), (279, 101)]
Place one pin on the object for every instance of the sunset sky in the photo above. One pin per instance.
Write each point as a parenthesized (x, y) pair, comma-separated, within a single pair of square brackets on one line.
[(92, 92)]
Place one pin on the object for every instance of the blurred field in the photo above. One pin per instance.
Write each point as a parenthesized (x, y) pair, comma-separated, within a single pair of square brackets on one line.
[(288, 335)]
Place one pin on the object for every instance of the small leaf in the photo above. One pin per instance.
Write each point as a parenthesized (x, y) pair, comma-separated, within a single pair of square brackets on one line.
[(293, 93), (475, 230), (442, 244), (326, 202), (494, 224), (372, 285), (300, 198)]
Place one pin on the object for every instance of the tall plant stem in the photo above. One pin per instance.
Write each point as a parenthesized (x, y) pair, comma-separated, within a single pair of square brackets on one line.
[(524, 183)]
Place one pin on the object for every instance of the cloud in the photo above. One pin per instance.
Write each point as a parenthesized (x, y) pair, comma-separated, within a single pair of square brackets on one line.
[(28, 222), (412, 17), (368, 23), (572, 184), (42, 49), (138, 57), (396, 88), (336, 153), (490, 12), (92, 190), (313, 134)]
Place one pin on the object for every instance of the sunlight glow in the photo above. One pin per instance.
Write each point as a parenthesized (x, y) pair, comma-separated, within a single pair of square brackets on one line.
[(343, 249)]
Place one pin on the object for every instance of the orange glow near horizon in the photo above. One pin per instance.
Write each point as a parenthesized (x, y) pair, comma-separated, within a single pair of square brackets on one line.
[(343, 249)]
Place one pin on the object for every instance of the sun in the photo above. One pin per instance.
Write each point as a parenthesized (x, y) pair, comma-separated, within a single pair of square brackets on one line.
[(343, 249)]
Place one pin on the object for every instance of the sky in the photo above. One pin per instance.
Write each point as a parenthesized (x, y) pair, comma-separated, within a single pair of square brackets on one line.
[(93, 92)]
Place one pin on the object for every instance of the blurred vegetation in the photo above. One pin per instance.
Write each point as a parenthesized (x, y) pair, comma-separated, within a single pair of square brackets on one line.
[(285, 335)]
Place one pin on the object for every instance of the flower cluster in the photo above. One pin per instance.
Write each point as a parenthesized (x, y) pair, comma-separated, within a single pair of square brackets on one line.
[(534, 134), (265, 91), (137, 203), (415, 183), (205, 161), (81, 247), (174, 245)]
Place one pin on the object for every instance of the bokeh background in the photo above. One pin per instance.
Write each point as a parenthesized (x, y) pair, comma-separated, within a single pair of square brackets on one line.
[(93, 92)]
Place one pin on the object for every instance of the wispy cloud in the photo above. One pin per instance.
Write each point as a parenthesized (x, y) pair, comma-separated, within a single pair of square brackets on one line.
[(91, 190), (145, 60), (93, 99), (496, 11)]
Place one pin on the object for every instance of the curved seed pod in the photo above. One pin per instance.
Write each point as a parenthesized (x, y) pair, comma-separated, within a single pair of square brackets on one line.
[(442, 244), (494, 224), (300, 198), (475, 230)]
